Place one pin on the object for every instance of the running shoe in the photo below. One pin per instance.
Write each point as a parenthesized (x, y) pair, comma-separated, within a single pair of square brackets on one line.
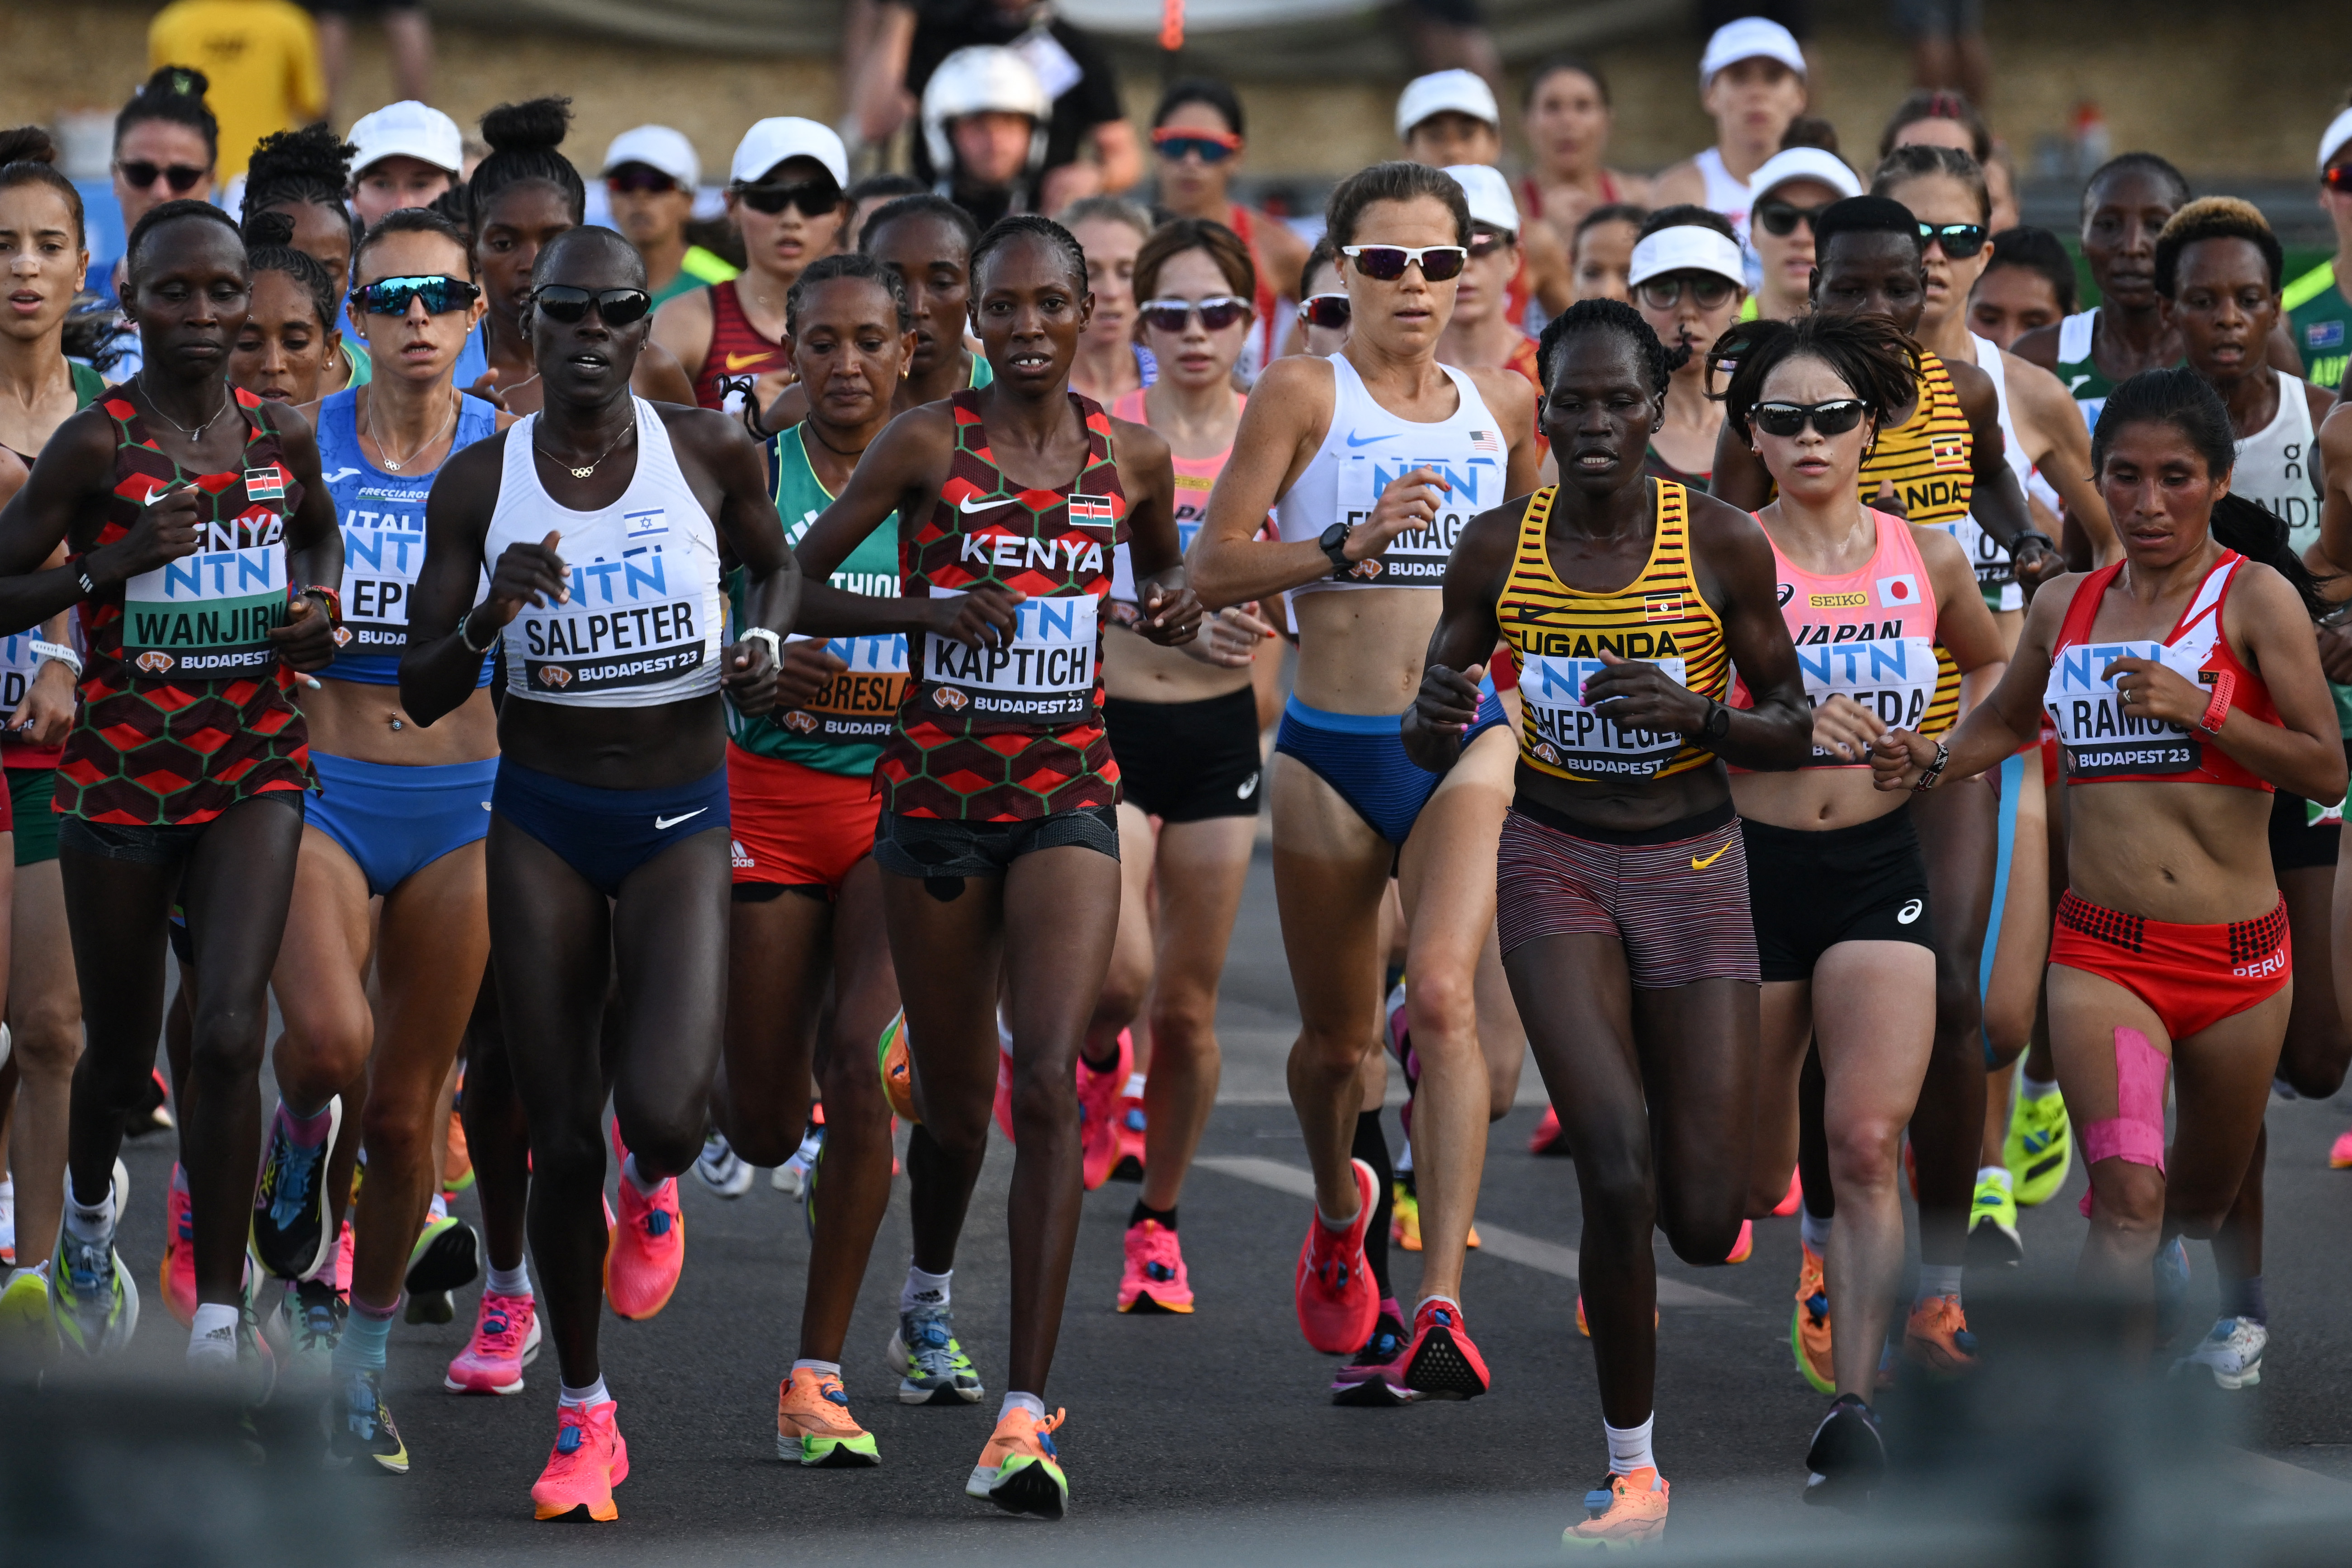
[(294, 1231), (1743, 1246), (28, 1331), (897, 1066), (1443, 1363), (792, 1177), (813, 1424), (1404, 1215), (448, 1255), (153, 1111), (2170, 1270), (1154, 1279), (1018, 1470), (1132, 1125), (1585, 1329), (720, 1169), (8, 1218), (1626, 1511), (456, 1159), (1099, 1089), (343, 1250), (932, 1368), (1002, 1106), (2039, 1147), (2339, 1153), (2233, 1353), (1375, 1375), (1549, 1137), (1793, 1199), (646, 1252), (1848, 1457), (319, 1316), (1338, 1300), (179, 1270), (1935, 1336), (1809, 1324), (1993, 1241), (505, 1340), (589, 1459), (93, 1297), (359, 1426)]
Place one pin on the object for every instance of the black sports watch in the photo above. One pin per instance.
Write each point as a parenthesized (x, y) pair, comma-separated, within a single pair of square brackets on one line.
[(1718, 721), (1334, 540)]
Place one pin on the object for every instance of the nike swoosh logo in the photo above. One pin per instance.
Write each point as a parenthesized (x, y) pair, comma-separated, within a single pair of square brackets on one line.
[(1367, 440), (2076, 382), (1699, 865), (663, 824), (744, 362), (986, 503)]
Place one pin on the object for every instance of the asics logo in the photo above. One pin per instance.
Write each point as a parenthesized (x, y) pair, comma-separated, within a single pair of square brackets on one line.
[(1355, 440), (663, 824), (1248, 788), (1699, 865), (1908, 912)]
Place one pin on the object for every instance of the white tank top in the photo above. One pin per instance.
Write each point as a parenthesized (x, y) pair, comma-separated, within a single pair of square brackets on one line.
[(642, 626), (1990, 560), (1366, 448), (2274, 466), (1729, 195)]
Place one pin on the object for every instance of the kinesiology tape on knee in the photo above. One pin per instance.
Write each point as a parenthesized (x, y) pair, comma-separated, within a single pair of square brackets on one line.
[(2136, 1133)]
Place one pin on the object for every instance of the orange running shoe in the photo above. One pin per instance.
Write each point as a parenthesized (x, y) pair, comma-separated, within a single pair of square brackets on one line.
[(1337, 1301), (1098, 1090), (2339, 1155), (645, 1247), (897, 1070), (1808, 1325), (1626, 1511), (1794, 1199), (589, 1459), (1154, 1280), (813, 1424), (1019, 1470), (457, 1164), (180, 1248), (1585, 1329), (1937, 1336), (1744, 1246)]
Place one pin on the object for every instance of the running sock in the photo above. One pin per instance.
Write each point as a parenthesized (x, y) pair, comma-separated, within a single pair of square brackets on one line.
[(212, 1336), (361, 1347), (2032, 1088), (923, 1290), (581, 1398), (1938, 1280), (1371, 1146), (90, 1222), (1337, 1226), (831, 1369), (2244, 1299), (1404, 1162), (439, 1208), (1815, 1229), (1143, 1211), (514, 1283), (1134, 1086), (307, 1131), (1029, 1401), (1994, 1174), (645, 1185), (1629, 1447)]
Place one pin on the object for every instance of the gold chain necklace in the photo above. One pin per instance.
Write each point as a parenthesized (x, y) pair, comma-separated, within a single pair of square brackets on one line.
[(383, 453), (591, 469)]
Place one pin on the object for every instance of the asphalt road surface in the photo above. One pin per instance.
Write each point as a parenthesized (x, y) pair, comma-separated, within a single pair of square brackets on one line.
[(1210, 1435)]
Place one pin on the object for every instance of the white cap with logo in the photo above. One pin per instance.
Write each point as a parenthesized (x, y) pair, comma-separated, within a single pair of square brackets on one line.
[(773, 140), (1444, 92), (656, 147), (1748, 39), (407, 130), (1489, 193)]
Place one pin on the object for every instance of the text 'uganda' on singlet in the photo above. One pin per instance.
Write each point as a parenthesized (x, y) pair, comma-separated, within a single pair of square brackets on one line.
[(2107, 743), (1010, 735), (642, 625), (1869, 636), (382, 518), (184, 707), (1558, 633), (1195, 478), (841, 729), (1366, 449)]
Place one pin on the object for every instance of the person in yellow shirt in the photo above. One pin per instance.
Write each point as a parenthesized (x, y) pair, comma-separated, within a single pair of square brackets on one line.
[(262, 57)]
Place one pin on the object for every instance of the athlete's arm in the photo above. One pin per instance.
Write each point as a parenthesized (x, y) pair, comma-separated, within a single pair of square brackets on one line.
[(2335, 446), (70, 479), (746, 519), (2304, 753), (1963, 624), (1681, 182), (1171, 612), (684, 326), (1447, 703), (1510, 399), (1999, 726), (1998, 500), (2050, 426), (438, 673), (1740, 478), (2040, 347), (1549, 277), (659, 378), (314, 547)]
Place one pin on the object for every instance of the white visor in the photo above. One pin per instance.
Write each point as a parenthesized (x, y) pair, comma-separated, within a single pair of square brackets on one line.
[(2339, 131), (1686, 249)]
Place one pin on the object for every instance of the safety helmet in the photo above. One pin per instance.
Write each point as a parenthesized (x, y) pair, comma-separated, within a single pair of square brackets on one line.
[(983, 79)]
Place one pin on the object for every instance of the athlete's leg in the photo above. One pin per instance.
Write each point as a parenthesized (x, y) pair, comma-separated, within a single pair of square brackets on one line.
[(2318, 1046), (1133, 956), (498, 1136), (2221, 1078), (45, 1023), (778, 952), (1502, 1038), (1784, 1034), (321, 980), (2023, 954), (1698, 1067), (948, 953), (1957, 825), (669, 947), (1202, 867)]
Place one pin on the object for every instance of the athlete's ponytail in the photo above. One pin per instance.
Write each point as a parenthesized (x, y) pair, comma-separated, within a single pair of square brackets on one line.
[(27, 157), (2258, 534), (523, 139), (269, 247)]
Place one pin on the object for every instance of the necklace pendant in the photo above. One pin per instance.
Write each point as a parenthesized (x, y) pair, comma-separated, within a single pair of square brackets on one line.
[(583, 473)]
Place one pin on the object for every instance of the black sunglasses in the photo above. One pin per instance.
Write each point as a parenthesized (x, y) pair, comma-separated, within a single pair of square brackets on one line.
[(1216, 314), (617, 307), (1330, 311), (391, 296), (1960, 240), (1388, 262), (1781, 218), (1711, 291), (637, 179), (141, 173), (1787, 419), (2339, 178), (814, 197)]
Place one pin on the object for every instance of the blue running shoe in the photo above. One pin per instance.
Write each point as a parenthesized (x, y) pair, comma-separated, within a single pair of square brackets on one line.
[(932, 1368), (293, 1235)]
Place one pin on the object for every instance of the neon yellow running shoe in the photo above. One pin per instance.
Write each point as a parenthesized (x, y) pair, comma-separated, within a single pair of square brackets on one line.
[(2039, 1148), (1404, 1218)]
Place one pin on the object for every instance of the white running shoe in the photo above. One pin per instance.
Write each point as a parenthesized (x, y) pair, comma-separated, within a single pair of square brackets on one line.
[(720, 1168), (2233, 1353), (791, 1177)]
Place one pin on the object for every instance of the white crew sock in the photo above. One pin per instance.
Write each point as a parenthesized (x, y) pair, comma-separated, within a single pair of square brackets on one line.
[(90, 1222), (1629, 1447), (1403, 1166), (2033, 1088), (581, 1398), (923, 1290), (1993, 1173), (1938, 1280), (831, 1369), (514, 1283), (212, 1336), (1815, 1230), (1029, 1401), (1134, 1090), (439, 1208)]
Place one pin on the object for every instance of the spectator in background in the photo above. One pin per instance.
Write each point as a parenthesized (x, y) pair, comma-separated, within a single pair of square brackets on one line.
[(1451, 34), (1790, 192), (1566, 116), (650, 175), (405, 154), (2319, 303), (1935, 116), (1947, 47), (985, 116), (1198, 138), (2029, 283), (911, 40), (406, 29), (1602, 251), (1752, 82), (260, 61), (1449, 118)]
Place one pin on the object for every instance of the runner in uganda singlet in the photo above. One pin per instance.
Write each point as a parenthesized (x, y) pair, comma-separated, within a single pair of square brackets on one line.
[(1012, 733), (1928, 460)]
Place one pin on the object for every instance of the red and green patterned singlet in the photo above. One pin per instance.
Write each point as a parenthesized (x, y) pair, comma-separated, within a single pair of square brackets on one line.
[(183, 707), (1010, 735)]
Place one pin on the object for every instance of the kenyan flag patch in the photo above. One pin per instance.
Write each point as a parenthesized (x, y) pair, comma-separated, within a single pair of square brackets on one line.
[(1091, 508), (265, 484)]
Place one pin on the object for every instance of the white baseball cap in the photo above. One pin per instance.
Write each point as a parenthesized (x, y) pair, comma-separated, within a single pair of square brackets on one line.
[(1687, 247), (2337, 135), (1802, 164), (1748, 39), (656, 147), (407, 130), (783, 136), (1441, 92), (1491, 201)]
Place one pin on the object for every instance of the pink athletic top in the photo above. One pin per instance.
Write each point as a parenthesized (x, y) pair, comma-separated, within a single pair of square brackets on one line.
[(1195, 477)]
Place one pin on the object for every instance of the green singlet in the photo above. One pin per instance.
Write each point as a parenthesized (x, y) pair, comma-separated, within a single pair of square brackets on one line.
[(2320, 318)]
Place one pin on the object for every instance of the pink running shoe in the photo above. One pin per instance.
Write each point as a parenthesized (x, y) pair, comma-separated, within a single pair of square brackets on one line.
[(1793, 1199), (344, 1263), (589, 1459), (1337, 1301), (1154, 1280), (1004, 1104), (645, 1251), (1743, 1246), (2339, 1157), (1099, 1112), (505, 1340), (1548, 1136), (180, 1248)]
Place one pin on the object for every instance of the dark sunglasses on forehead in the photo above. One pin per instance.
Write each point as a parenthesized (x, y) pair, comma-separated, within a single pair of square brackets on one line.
[(1216, 314), (2339, 178), (1209, 146), (391, 296), (1330, 311), (1438, 263), (1781, 218), (639, 180), (617, 307), (814, 198), (1834, 418), (1960, 240), (184, 176), (1711, 291)]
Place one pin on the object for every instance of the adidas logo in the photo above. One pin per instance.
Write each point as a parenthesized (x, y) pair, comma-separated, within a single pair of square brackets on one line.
[(743, 860)]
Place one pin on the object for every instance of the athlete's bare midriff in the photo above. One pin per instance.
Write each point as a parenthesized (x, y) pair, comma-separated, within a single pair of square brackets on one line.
[(2193, 854), (1137, 670), (1360, 649), (366, 723), (1812, 800)]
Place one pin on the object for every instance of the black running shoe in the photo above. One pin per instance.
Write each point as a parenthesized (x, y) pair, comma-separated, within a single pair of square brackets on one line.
[(293, 1235), (359, 1426), (447, 1253), (1848, 1458)]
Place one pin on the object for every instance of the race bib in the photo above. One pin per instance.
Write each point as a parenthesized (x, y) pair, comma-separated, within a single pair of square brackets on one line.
[(625, 626), (1892, 678), (1416, 557), (18, 664), (1047, 673), (208, 617), (1564, 733), (861, 702), (1124, 609), (2102, 737), (384, 550), (1990, 560)]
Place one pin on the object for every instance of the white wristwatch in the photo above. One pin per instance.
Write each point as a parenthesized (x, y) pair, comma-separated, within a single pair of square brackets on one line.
[(775, 643), (60, 653)]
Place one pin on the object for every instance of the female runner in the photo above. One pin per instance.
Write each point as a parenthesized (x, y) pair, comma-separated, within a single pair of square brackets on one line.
[(2029, 283), (997, 837), (166, 146), (2126, 202), (1836, 882), (2185, 685), (1937, 117), (1602, 251), (1627, 600), (1111, 355), (177, 658), (1567, 117), (1790, 192), (1199, 136), (290, 343), (1373, 460), (1688, 285), (305, 175)]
